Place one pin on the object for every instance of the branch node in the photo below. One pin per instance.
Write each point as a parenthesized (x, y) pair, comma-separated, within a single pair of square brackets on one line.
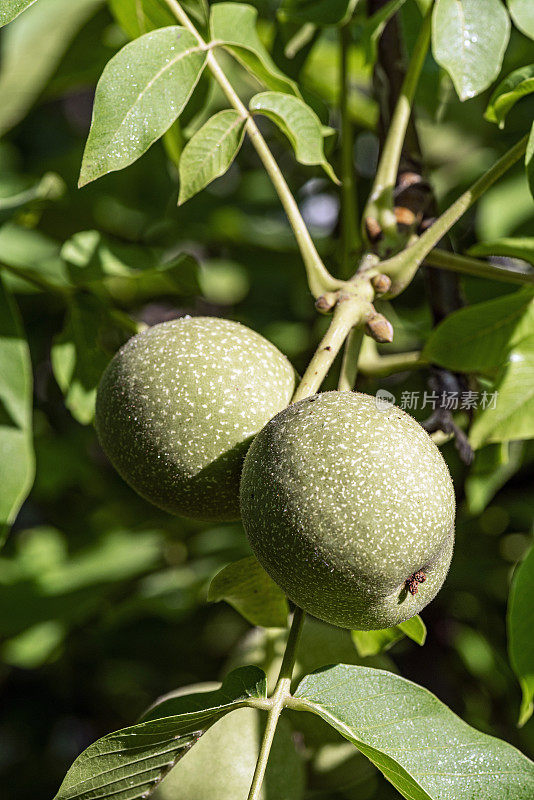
[(381, 283)]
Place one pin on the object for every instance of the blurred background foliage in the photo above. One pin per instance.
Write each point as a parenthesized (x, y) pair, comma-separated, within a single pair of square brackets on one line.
[(103, 597)]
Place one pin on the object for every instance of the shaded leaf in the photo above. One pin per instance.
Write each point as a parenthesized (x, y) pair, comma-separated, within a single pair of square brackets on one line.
[(129, 273), (246, 586), (299, 123), (493, 466), (522, 248), (520, 622), (30, 254), (129, 763), (210, 152), (421, 747), (234, 25), (334, 12), (137, 17), (16, 445), (529, 161), (50, 187), (141, 92), (469, 39), (32, 48), (522, 13), (515, 86), (370, 643), (12, 8), (81, 352), (512, 415)]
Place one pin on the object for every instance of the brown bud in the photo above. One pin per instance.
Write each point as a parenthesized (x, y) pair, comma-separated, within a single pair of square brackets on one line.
[(326, 302), (379, 328), (381, 283), (374, 231), (404, 216), (408, 178)]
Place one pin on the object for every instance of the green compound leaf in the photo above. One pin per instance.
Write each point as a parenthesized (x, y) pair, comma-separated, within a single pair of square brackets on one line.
[(128, 764), (493, 466), (141, 92), (370, 643), (522, 13), (507, 246), (12, 8), (16, 445), (246, 586), (32, 48), (516, 85), (299, 123), (469, 39), (234, 26), (520, 625), (421, 747), (210, 152)]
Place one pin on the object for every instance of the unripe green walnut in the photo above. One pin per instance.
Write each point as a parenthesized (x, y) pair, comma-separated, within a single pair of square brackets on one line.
[(344, 504), (177, 408)]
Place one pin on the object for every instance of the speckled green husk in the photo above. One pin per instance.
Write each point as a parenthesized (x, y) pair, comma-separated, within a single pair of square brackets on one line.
[(342, 503), (177, 408)]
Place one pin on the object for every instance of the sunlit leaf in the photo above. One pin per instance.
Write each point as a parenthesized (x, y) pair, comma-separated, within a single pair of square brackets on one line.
[(520, 625), (484, 335), (31, 50), (522, 13), (299, 123), (141, 92), (248, 588), (210, 152), (16, 447), (422, 748), (12, 8), (127, 764), (469, 39), (234, 25), (515, 86), (370, 643)]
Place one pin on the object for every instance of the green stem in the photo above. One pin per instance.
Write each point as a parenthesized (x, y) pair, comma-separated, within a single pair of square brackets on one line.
[(319, 279), (373, 364), (350, 311), (349, 365), (280, 695), (381, 198), (350, 234), (402, 267), (474, 266)]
